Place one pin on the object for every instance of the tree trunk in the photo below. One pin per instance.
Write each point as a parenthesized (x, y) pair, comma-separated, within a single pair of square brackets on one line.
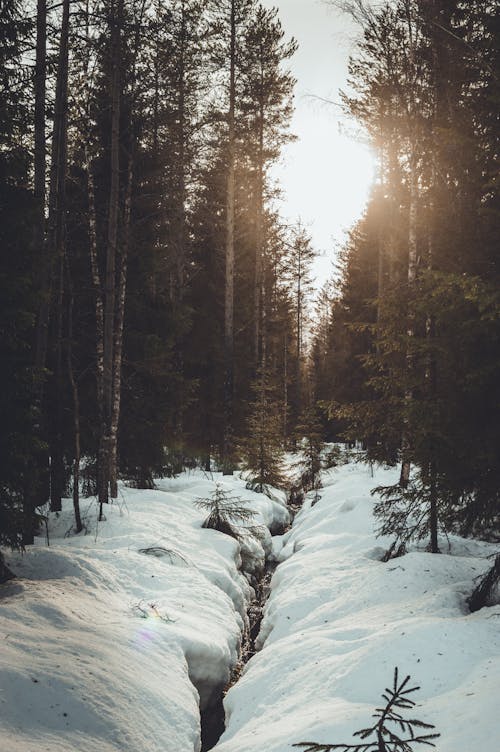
[(180, 260), (118, 342), (298, 334), (381, 241), (228, 440), (36, 491), (439, 18), (259, 291), (39, 181), (285, 390), (76, 405), (105, 446), (56, 247), (404, 477), (96, 283)]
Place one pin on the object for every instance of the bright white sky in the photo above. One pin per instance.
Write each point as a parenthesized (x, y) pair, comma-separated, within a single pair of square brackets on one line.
[(326, 173)]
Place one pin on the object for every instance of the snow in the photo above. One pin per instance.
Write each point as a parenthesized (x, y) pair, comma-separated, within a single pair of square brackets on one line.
[(338, 621), (102, 644), (105, 647)]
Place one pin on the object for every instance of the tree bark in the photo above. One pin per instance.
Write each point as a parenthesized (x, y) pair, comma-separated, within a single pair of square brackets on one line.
[(105, 446), (228, 439), (56, 247), (40, 179), (259, 291), (404, 477), (180, 260), (36, 491), (118, 339), (76, 406), (96, 283), (411, 112), (285, 390)]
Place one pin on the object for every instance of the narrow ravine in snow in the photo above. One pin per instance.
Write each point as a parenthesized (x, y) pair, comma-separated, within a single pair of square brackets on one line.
[(148, 616), (212, 717)]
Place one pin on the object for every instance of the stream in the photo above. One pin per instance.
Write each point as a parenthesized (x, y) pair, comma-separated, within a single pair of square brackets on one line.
[(213, 716)]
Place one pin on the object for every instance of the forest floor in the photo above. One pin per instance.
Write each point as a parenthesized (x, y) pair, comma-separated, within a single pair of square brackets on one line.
[(110, 638)]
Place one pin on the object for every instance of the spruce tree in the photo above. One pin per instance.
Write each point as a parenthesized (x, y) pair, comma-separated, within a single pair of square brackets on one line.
[(21, 448), (388, 732), (226, 512), (262, 447), (309, 432)]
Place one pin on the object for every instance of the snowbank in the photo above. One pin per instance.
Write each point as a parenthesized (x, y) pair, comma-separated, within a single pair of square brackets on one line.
[(338, 621), (101, 643)]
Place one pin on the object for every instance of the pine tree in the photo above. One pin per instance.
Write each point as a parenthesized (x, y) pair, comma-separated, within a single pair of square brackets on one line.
[(389, 725), (226, 512), (21, 448), (262, 448), (309, 431), (416, 84), (299, 257), (267, 107)]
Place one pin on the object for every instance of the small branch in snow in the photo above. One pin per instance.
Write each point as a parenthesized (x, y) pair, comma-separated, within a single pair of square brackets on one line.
[(386, 740), (150, 611)]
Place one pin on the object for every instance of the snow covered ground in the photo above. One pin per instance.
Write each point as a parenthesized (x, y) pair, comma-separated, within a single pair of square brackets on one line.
[(100, 644), (338, 621), (98, 641)]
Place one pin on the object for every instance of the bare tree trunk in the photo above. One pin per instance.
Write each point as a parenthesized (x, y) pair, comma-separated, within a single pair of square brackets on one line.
[(298, 334), (76, 405), (381, 241), (121, 281), (259, 290), (285, 390), (118, 343), (228, 440), (104, 461), (404, 477), (92, 229), (56, 246), (180, 260), (36, 491), (431, 376), (439, 19), (181, 240), (39, 180), (96, 283)]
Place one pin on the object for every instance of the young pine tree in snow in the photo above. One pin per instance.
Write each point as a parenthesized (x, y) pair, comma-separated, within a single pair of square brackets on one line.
[(310, 432), (262, 450), (487, 592), (389, 724), (225, 512)]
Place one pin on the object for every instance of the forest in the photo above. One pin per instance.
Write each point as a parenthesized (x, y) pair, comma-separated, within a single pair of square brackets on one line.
[(157, 312), (166, 351)]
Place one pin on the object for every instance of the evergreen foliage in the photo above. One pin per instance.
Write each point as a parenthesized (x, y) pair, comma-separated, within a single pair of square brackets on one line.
[(111, 277), (19, 288), (487, 591), (404, 512), (408, 358), (310, 433), (262, 448), (114, 235), (226, 512), (390, 723)]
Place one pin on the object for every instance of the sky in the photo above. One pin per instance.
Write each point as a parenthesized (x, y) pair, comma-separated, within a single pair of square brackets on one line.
[(327, 172)]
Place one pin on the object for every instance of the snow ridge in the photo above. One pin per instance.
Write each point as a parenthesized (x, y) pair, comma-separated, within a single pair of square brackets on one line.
[(106, 647), (338, 621)]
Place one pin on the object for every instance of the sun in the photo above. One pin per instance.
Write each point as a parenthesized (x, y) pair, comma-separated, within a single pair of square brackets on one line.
[(327, 174)]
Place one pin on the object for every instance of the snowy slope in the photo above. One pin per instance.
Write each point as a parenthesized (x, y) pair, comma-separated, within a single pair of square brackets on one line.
[(105, 648), (338, 621), (99, 641)]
